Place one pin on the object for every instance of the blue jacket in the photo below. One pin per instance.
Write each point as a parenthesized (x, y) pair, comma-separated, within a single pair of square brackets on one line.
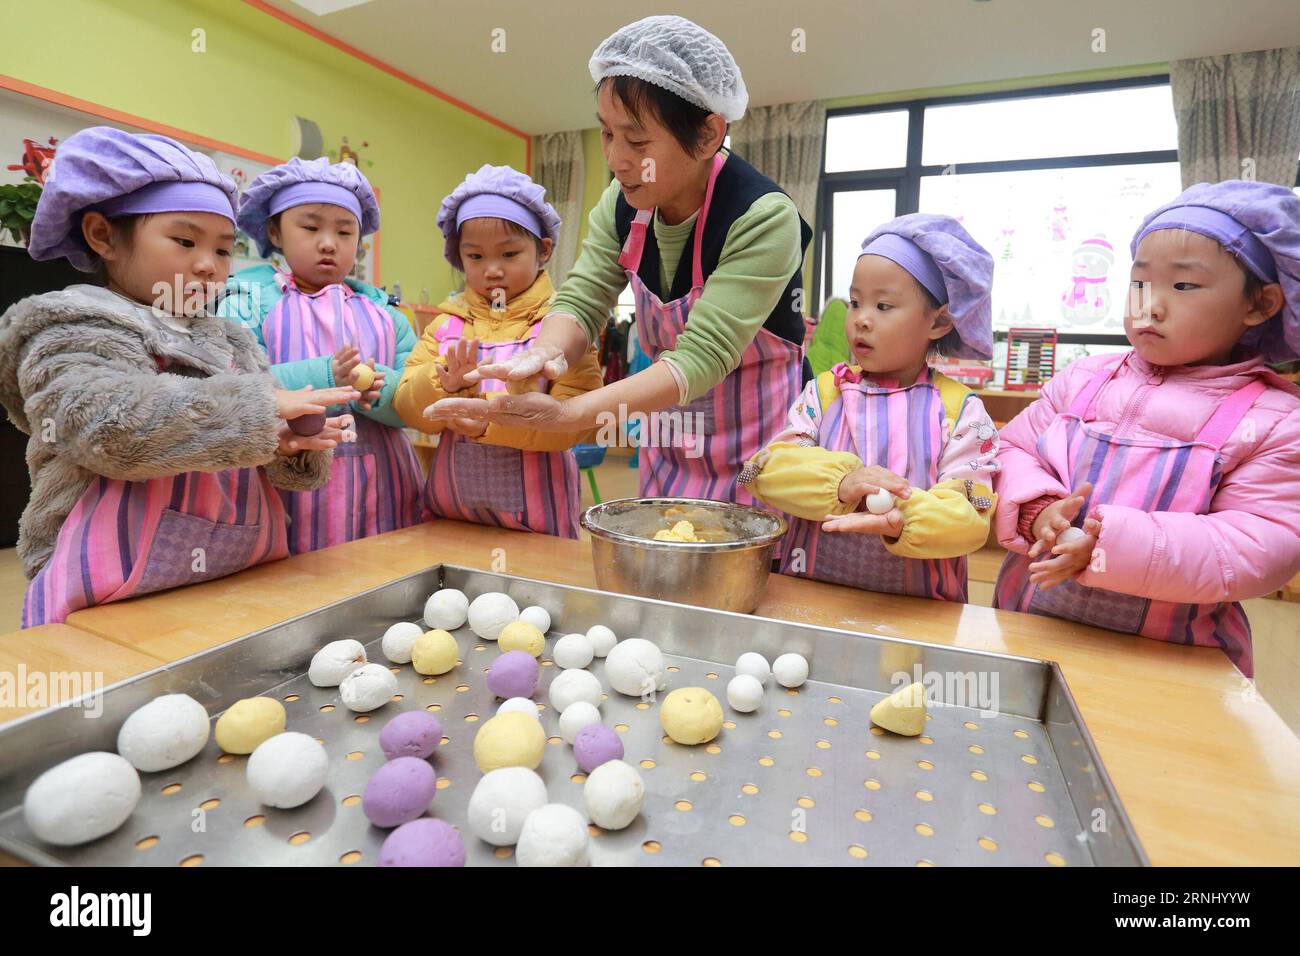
[(251, 294)]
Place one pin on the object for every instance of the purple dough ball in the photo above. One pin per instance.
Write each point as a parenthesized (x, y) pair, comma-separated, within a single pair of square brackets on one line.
[(413, 734), (307, 425), (596, 744), (399, 792), (514, 674), (426, 842)]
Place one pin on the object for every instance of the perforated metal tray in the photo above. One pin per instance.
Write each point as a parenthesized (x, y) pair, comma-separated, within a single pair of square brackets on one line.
[(806, 780)]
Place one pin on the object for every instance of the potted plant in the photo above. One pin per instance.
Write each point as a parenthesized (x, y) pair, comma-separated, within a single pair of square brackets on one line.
[(18, 207)]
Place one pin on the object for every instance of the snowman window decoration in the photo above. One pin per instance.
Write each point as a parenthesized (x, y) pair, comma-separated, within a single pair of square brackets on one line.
[(1087, 300)]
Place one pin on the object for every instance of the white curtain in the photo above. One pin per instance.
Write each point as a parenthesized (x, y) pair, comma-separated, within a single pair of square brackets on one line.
[(1238, 116), (784, 143), (559, 166)]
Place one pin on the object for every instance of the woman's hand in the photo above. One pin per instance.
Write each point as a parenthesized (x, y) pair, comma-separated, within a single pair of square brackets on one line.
[(294, 403), (869, 479), (538, 359), (890, 524), (461, 360), (535, 410), (336, 430), (1056, 517), (467, 427)]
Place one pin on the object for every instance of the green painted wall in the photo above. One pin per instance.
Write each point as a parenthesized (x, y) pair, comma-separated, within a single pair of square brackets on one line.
[(257, 74)]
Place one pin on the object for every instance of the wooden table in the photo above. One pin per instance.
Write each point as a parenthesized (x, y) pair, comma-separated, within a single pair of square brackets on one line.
[(1209, 774)]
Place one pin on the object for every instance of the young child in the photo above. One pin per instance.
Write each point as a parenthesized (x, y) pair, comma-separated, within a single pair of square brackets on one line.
[(319, 327), (891, 422), (156, 430), (1180, 459), (500, 232)]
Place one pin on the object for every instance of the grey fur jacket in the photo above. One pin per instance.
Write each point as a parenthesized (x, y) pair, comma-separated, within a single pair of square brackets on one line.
[(103, 387)]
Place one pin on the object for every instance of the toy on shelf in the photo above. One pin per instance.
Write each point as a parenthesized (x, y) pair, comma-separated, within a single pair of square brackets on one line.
[(1031, 358)]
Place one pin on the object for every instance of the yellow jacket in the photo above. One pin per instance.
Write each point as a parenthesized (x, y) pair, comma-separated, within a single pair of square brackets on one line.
[(419, 387), (945, 521)]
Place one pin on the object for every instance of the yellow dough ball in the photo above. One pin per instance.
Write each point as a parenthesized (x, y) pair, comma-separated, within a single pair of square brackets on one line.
[(681, 531), (365, 377), (523, 386), (522, 636), (512, 739), (691, 715), (434, 652), (249, 722), (902, 712)]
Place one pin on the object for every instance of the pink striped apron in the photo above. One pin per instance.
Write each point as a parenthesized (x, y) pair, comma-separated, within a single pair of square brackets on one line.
[(374, 482), (127, 538), (1150, 475), (697, 450), (896, 428), (495, 485)]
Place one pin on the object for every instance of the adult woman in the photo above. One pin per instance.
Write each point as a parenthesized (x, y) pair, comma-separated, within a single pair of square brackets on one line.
[(717, 279)]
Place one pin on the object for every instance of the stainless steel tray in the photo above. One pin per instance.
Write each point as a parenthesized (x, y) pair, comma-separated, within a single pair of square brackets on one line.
[(806, 780)]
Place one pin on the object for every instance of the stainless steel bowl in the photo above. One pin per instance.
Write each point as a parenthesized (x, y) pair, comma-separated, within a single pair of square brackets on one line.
[(728, 571)]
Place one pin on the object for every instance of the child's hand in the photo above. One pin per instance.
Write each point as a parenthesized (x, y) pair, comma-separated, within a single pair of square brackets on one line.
[(890, 524), (1056, 517), (869, 479), (336, 430), (294, 403), (462, 358), (344, 361), (1069, 559)]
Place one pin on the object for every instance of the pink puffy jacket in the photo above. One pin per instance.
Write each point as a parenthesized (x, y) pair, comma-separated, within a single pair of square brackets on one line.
[(1249, 543)]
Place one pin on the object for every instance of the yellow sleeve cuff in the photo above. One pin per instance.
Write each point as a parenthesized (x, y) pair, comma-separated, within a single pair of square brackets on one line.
[(943, 522), (802, 480)]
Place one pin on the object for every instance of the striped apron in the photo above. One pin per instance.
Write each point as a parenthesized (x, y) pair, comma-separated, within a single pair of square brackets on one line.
[(697, 450), (495, 485), (901, 429), (126, 538), (375, 481), (1150, 475)]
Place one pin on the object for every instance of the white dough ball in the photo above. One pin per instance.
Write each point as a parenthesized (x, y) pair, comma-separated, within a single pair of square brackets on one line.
[(335, 661), (1071, 534), (573, 650), (164, 733), (446, 610), (553, 835), (613, 794), (399, 640), (635, 667), (524, 705), (502, 801), (287, 770), (368, 687), (537, 616), (82, 799), (602, 639), (755, 665), (490, 612), (791, 670), (744, 693), (880, 502), (577, 715), (573, 685)]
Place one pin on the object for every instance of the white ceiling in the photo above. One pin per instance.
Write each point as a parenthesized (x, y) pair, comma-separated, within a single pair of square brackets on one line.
[(540, 83)]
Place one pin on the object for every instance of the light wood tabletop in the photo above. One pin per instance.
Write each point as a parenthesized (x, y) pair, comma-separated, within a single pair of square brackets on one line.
[(1208, 772)]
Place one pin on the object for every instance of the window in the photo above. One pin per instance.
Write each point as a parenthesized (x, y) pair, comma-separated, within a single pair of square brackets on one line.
[(1052, 183)]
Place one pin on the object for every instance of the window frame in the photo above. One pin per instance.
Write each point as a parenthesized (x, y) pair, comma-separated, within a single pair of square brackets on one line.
[(906, 180)]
